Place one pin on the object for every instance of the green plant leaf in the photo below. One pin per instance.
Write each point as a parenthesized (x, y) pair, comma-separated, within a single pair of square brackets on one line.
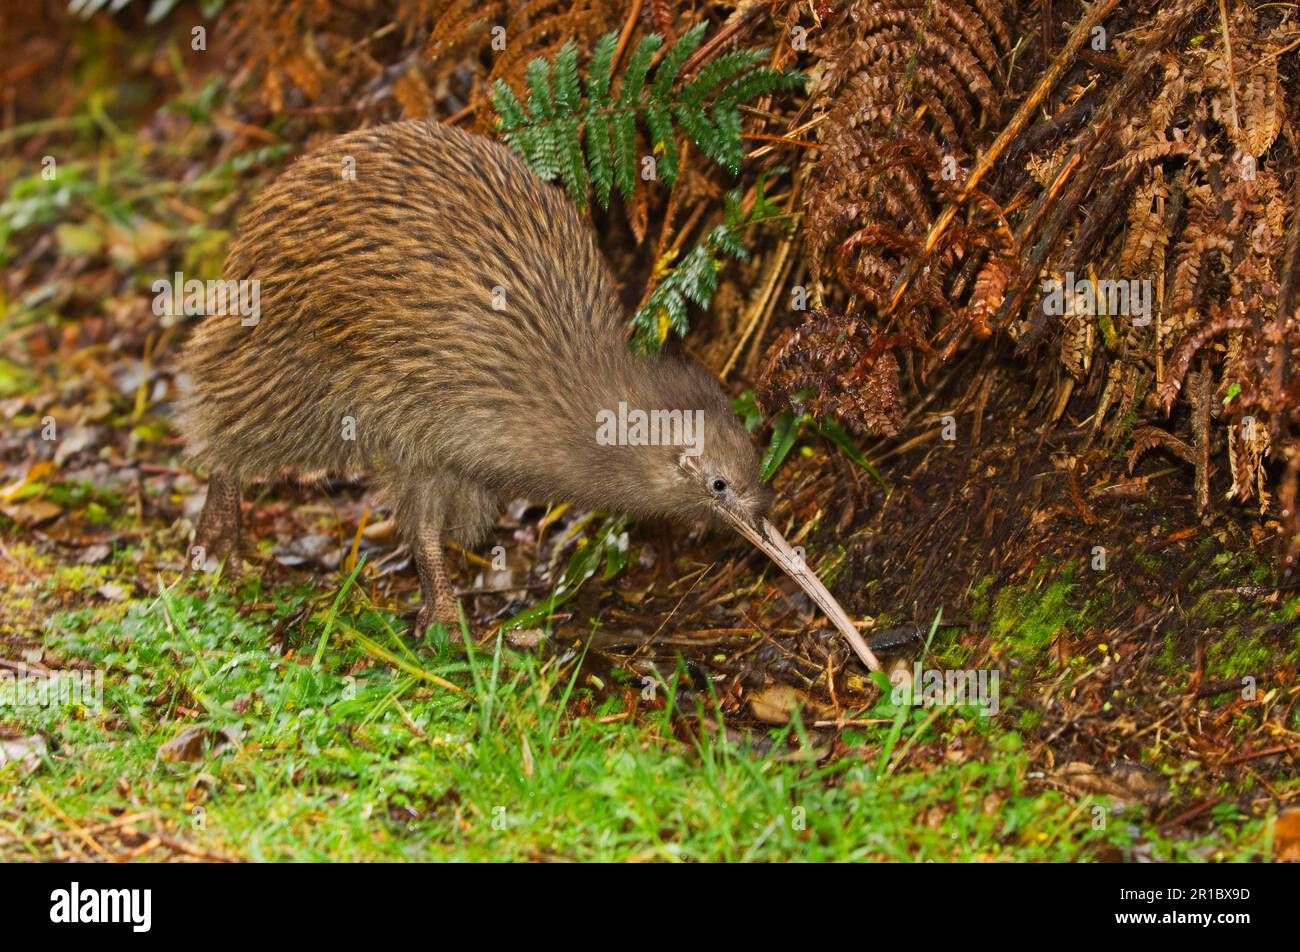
[(785, 430)]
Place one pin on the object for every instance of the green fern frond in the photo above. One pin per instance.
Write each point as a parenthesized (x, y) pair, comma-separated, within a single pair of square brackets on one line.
[(551, 127), (600, 68), (675, 59), (726, 66), (538, 76), (695, 279), (663, 140), (751, 85), (625, 166), (629, 93), (508, 107), (573, 168), (568, 93), (599, 155), (729, 148)]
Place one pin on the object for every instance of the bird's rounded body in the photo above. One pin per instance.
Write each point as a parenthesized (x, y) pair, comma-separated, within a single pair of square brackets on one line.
[(434, 315)]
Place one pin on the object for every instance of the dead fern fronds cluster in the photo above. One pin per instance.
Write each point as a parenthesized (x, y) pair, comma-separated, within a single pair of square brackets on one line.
[(1136, 218), (393, 59), (838, 371), (1204, 229), (907, 88)]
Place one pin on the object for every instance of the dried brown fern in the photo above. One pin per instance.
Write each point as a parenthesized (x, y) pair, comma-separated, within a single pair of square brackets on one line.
[(906, 87), (396, 58), (837, 370), (540, 27), (1206, 227), (1154, 179)]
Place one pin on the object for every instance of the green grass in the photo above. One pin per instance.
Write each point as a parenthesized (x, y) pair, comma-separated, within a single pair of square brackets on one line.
[(365, 755)]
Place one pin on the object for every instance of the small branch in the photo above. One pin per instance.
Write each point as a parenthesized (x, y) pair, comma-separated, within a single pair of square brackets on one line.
[(1232, 73), (626, 35), (768, 137), (71, 823), (759, 307), (989, 158), (738, 22)]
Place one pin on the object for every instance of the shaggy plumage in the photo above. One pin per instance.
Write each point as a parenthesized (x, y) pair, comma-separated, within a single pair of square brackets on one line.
[(442, 320)]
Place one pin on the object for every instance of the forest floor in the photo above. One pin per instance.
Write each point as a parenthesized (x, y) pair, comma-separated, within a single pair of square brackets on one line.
[(677, 707), (624, 692)]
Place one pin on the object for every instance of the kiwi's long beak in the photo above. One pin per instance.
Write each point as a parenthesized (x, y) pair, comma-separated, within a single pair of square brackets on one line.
[(769, 539)]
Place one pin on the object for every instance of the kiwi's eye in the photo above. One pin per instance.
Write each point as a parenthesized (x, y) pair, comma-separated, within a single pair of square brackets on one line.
[(718, 485)]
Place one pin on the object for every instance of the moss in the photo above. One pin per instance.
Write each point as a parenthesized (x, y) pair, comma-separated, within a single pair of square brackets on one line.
[(1235, 655), (14, 379), (1261, 574), (834, 559), (1146, 561), (1028, 617), (78, 494), (977, 598), (1169, 659), (77, 578)]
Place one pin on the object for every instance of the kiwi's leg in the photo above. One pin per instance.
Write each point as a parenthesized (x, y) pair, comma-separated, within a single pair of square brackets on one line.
[(435, 585), (218, 533), (419, 501), (432, 506)]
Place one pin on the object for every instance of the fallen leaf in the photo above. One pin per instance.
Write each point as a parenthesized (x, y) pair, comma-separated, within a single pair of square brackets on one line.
[(1286, 837), (33, 474), (92, 554), (187, 745), (112, 592), (526, 637), (75, 239), (321, 550), (78, 438), (1124, 782), (25, 751), (777, 704), (32, 512)]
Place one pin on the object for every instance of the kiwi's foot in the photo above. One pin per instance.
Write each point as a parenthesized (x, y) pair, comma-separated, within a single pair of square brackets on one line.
[(210, 554), (437, 613)]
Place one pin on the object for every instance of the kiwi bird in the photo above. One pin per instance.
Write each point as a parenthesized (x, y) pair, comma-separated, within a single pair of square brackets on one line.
[(436, 317)]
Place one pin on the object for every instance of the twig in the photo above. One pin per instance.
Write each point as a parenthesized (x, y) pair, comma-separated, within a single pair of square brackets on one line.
[(180, 846), (123, 820), (149, 845), (738, 21), (786, 140), (72, 824), (988, 159), (759, 307), (1256, 754), (1232, 73), (1193, 813), (628, 26)]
